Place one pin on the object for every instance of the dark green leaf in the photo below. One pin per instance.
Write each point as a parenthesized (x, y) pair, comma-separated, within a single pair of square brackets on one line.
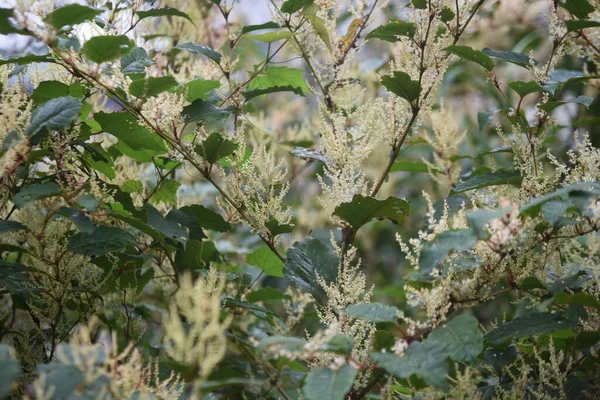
[(551, 105), (500, 358), (10, 226), (28, 59), (579, 8), (461, 337), (277, 79), (198, 254), (163, 12), (267, 261), (472, 55), (291, 6), (199, 89), (6, 27), (48, 90), (207, 218), (203, 110), (401, 85), (362, 209), (103, 240), (575, 25), (528, 325), (392, 31), (135, 62), (276, 228), (266, 25), (70, 15), (373, 312), (199, 49), (508, 56), (340, 344), (525, 88), (34, 192), (500, 177), (308, 260), (266, 294), (447, 14), (324, 383), (215, 147), (437, 250), (81, 221), (152, 86), (56, 113), (100, 49), (588, 189)]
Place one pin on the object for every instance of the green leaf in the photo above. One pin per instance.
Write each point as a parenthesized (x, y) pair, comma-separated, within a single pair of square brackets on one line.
[(167, 192), (276, 228), (560, 78), (207, 218), (103, 240), (199, 49), (28, 59), (424, 359), (34, 192), (479, 218), (508, 56), (100, 49), (409, 166), (401, 85), (308, 260), (277, 79), (215, 147), (10, 226), (392, 31), (437, 250), (340, 344), (471, 55), (525, 88), (266, 294), (10, 370), (199, 89), (373, 312), (447, 15), (198, 254), (267, 261), (461, 337), (362, 209), (70, 15), (124, 127), (163, 12), (587, 189), (551, 105), (578, 298), (500, 177), (266, 25), (311, 14), (56, 114), (81, 221), (500, 358), (579, 8), (528, 325), (308, 154), (203, 110), (324, 383), (135, 62), (143, 88), (6, 26), (291, 6), (271, 37), (48, 90), (575, 25)]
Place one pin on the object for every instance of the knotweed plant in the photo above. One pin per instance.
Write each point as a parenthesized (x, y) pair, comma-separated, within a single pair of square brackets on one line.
[(300, 199)]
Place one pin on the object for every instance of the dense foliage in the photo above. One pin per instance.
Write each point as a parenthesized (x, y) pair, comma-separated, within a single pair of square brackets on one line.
[(348, 199)]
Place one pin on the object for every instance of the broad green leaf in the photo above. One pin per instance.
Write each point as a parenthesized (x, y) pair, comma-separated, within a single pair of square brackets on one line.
[(340, 344), (103, 240), (124, 127), (81, 221), (28, 59), (560, 78), (311, 14), (215, 147), (373, 312), (267, 261), (9, 370), (362, 209), (70, 15), (575, 25), (528, 325), (401, 85), (152, 86), (308, 260), (199, 89), (500, 177), (392, 31), (10, 226), (277, 79), (508, 56), (6, 27), (291, 6), (198, 254), (34, 192), (56, 113), (324, 383), (276, 228), (207, 218), (48, 90), (100, 49), (461, 336), (471, 55), (205, 111), (480, 218), (271, 37), (135, 62), (199, 49), (447, 15), (500, 358), (167, 192), (579, 8), (525, 88), (419, 4), (578, 298), (437, 250), (586, 189), (266, 294), (410, 166), (163, 12), (266, 25), (424, 359), (551, 105)]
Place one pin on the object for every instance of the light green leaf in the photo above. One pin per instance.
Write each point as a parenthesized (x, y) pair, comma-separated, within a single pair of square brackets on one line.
[(199, 89), (271, 37), (277, 79), (167, 192), (409, 166), (266, 294), (266, 260), (28, 59), (143, 88), (70, 15), (471, 55), (266, 25), (373, 312), (401, 85), (56, 113), (48, 90), (324, 383), (163, 12), (100, 49), (437, 250), (362, 209), (392, 31), (461, 337)]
